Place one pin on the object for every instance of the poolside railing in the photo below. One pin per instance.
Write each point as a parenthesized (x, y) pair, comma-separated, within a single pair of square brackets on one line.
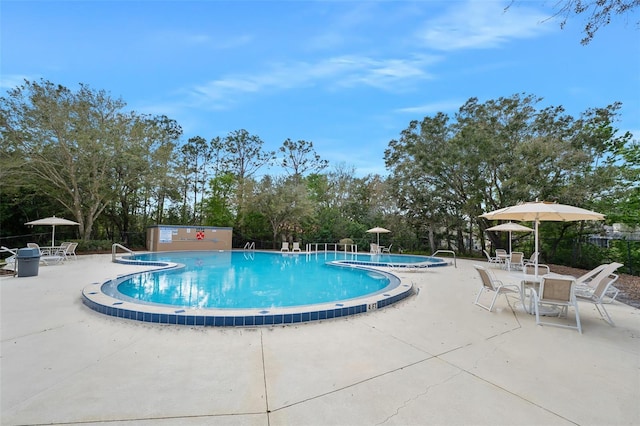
[(114, 249), (449, 252), (326, 247)]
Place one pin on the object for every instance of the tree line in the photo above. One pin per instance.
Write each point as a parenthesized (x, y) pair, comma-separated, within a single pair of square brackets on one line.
[(81, 154)]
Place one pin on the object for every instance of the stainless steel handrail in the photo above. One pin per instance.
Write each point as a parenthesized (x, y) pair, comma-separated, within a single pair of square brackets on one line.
[(114, 248), (447, 251)]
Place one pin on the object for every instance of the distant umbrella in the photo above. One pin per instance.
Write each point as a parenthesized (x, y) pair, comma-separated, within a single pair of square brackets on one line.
[(53, 222), (377, 230), (510, 227)]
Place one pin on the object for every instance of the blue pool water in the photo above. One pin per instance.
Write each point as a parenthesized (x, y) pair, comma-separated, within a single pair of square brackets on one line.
[(262, 280)]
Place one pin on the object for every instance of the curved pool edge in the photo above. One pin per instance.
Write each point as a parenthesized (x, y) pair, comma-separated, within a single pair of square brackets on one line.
[(97, 300)]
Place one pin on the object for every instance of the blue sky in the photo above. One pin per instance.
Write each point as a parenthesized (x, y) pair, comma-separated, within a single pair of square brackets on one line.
[(348, 76)]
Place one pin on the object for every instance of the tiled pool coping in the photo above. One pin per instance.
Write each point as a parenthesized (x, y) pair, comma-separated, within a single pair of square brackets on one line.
[(97, 299)]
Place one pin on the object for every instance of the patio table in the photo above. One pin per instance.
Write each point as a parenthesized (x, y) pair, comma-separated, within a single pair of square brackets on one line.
[(532, 282), (505, 260)]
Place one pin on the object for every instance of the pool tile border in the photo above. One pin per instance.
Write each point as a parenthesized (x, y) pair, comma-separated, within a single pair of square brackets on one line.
[(95, 298)]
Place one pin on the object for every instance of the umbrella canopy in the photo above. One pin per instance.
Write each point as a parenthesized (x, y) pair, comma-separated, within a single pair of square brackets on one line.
[(539, 211), (53, 222), (378, 230), (510, 227)]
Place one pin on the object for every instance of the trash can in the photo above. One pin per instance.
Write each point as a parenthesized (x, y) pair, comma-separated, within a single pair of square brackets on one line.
[(28, 261)]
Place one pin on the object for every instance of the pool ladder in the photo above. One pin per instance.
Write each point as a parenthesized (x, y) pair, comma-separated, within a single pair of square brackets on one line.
[(250, 245), (115, 247), (449, 252)]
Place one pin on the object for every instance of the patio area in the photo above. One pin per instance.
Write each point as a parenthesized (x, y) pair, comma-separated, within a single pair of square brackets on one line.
[(434, 358)]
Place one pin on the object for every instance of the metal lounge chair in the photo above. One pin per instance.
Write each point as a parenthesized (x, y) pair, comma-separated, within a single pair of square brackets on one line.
[(597, 288), (492, 260), (597, 297), (491, 284), (10, 263), (588, 282), (71, 251), (557, 291), (48, 258), (535, 256)]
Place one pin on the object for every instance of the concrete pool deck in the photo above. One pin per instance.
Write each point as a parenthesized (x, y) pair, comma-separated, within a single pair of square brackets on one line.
[(433, 358)]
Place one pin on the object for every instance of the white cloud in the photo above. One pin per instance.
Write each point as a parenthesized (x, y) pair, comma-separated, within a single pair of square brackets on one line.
[(433, 108), (346, 71), (481, 25)]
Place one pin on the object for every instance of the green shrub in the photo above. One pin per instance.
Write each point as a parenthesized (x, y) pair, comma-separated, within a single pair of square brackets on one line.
[(345, 242), (92, 246)]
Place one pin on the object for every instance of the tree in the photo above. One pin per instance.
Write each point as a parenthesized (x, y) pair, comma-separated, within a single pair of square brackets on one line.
[(600, 13), (79, 148), (499, 153), (300, 158), (195, 157), (243, 157), (145, 152), (69, 143), (218, 209), (285, 204)]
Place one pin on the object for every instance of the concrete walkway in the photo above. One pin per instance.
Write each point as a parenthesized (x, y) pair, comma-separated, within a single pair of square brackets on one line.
[(434, 358)]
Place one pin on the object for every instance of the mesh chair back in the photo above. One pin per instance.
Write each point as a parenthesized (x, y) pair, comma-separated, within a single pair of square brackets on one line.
[(556, 289)]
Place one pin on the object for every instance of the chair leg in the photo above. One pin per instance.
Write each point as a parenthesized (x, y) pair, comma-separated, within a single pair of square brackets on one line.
[(606, 315), (493, 302), (479, 294), (578, 318)]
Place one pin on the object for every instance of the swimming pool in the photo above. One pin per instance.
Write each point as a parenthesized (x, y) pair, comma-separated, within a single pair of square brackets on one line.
[(251, 288)]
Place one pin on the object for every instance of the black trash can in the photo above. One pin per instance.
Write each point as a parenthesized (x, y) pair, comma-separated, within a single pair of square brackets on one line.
[(28, 260)]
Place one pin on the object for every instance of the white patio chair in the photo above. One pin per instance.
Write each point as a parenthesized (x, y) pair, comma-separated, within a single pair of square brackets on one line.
[(296, 247), (387, 249), (589, 281), (492, 260), (285, 246), (71, 251), (374, 248), (597, 296), (491, 284), (557, 291), (535, 256), (516, 260), (503, 257), (531, 281)]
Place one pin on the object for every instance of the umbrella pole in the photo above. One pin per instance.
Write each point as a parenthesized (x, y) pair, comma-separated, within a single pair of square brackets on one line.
[(53, 236), (536, 247)]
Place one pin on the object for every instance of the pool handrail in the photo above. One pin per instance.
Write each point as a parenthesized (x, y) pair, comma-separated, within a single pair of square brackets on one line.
[(447, 251), (250, 245), (353, 247), (114, 248)]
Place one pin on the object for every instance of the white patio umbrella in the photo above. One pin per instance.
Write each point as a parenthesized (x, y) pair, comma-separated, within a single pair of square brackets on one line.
[(53, 222), (377, 230), (539, 211), (510, 227)]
